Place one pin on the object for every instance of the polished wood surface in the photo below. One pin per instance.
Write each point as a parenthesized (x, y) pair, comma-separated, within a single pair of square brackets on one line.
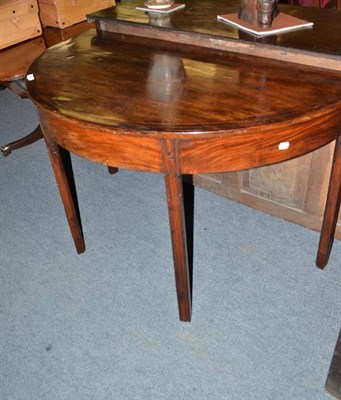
[(133, 88), (161, 107), (197, 24)]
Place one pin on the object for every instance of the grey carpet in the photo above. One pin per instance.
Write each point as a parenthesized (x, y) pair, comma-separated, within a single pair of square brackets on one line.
[(104, 325)]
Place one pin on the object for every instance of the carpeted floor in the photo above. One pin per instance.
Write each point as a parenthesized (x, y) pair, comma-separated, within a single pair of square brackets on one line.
[(104, 325)]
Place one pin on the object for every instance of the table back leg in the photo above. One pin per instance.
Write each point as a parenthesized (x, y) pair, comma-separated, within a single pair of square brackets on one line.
[(62, 168), (332, 208)]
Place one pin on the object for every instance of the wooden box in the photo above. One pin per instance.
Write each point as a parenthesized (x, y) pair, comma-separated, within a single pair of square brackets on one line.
[(19, 21), (64, 13)]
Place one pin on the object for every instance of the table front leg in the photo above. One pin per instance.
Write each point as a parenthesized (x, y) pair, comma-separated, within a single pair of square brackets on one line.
[(62, 168), (177, 222), (331, 210)]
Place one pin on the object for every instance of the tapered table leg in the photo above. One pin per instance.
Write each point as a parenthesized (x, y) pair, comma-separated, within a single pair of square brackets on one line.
[(176, 210), (62, 168), (331, 211), (25, 141)]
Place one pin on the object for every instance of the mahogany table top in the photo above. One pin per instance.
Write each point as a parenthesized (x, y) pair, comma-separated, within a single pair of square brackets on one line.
[(165, 87), (139, 87)]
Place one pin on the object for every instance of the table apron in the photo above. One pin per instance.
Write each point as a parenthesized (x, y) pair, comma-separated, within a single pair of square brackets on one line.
[(206, 153), (257, 148)]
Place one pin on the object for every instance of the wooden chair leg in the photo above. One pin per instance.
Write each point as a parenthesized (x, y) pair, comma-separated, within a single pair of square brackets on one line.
[(25, 141), (176, 210), (62, 168), (331, 211)]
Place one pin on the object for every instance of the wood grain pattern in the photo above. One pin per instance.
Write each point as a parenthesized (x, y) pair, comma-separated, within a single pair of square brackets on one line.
[(103, 145), (127, 89)]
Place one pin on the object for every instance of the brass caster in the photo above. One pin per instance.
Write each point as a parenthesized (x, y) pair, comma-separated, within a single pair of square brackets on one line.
[(5, 150)]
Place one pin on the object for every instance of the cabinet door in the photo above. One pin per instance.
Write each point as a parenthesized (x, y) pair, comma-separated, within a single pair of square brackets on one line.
[(294, 190)]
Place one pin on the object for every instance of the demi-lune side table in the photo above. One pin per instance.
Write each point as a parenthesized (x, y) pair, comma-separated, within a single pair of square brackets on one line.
[(151, 105)]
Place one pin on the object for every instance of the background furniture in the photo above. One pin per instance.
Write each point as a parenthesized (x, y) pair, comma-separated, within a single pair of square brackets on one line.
[(15, 61), (19, 21)]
